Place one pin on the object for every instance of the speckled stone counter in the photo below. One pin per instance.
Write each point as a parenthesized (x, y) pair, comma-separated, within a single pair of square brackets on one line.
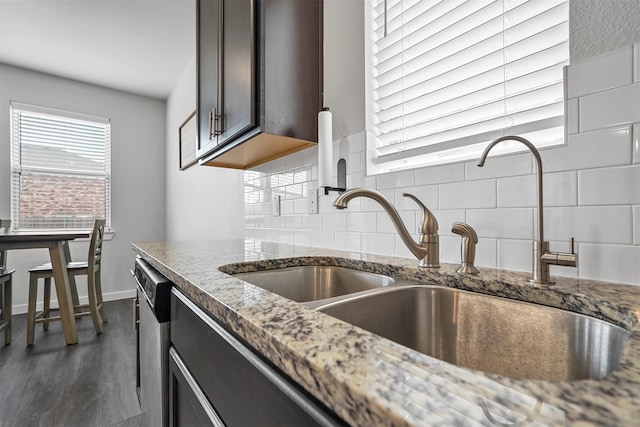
[(368, 380)]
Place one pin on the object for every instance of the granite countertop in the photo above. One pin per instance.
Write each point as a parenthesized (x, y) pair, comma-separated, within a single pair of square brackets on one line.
[(368, 380)]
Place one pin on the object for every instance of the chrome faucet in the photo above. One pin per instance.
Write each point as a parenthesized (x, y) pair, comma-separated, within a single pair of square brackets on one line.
[(469, 241), (428, 249), (542, 257)]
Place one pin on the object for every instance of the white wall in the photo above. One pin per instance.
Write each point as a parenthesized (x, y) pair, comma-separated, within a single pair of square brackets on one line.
[(600, 26), (138, 177), (592, 189), (202, 202)]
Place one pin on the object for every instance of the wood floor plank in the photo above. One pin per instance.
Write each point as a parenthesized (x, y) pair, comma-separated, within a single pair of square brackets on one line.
[(91, 383)]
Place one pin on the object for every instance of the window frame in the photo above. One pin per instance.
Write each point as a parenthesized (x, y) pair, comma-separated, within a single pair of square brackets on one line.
[(17, 167)]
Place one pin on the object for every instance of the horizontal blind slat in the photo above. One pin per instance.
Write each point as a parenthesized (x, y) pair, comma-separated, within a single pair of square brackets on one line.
[(60, 164), (453, 68)]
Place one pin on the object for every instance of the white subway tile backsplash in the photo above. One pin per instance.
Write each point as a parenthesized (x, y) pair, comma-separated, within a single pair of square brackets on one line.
[(369, 205), (356, 142), (427, 194), (571, 121), (512, 223), (636, 225), (395, 179), (322, 239), (450, 250), (600, 224), (636, 143), (518, 191), (355, 163), (302, 238), (348, 241), (271, 235), (610, 108), (301, 206), (515, 254), (613, 263), (356, 180), (487, 253), (446, 218), (608, 147), (302, 175), (606, 71), (469, 194), (440, 174), (286, 236), (385, 225), (312, 222), (293, 191), (611, 186), (591, 190), (325, 203), (559, 189), (286, 207), (401, 249), (378, 243), (335, 222), (293, 222), (364, 222), (501, 166)]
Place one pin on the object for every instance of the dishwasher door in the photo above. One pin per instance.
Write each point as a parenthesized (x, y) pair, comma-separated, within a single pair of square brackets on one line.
[(153, 366)]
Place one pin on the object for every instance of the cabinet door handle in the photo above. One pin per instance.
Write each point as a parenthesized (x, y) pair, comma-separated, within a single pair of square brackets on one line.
[(214, 119), (211, 120)]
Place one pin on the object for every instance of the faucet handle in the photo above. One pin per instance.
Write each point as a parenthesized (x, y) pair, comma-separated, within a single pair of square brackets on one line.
[(429, 222)]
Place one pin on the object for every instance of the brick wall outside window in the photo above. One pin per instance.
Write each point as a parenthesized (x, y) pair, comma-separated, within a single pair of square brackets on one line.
[(49, 201)]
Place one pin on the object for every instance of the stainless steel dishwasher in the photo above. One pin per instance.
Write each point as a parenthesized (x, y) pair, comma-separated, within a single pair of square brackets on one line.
[(152, 316)]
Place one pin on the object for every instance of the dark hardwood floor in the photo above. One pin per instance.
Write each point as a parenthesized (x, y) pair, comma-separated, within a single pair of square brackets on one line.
[(91, 383)]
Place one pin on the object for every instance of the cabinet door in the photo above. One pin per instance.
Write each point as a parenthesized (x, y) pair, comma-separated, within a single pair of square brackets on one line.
[(238, 62), (188, 406), (208, 63)]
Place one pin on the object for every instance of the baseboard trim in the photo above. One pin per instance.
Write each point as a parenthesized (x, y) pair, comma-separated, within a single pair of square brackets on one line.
[(111, 296)]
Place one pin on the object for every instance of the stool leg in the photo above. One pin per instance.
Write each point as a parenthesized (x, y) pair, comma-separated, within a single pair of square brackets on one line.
[(103, 310), (47, 303), (6, 311), (31, 314), (93, 304)]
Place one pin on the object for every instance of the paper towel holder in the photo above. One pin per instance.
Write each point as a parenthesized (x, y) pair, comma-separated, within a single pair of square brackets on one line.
[(342, 179)]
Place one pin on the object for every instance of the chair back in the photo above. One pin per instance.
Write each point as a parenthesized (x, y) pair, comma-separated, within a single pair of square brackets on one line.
[(95, 246), (5, 225)]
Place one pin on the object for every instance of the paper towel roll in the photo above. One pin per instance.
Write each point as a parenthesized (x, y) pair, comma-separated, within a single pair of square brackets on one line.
[(325, 149)]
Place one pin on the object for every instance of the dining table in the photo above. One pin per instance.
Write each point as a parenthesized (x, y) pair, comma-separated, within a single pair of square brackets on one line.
[(57, 243)]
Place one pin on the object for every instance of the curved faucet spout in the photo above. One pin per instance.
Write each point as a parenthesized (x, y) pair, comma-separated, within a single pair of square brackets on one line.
[(536, 154), (542, 257), (427, 251)]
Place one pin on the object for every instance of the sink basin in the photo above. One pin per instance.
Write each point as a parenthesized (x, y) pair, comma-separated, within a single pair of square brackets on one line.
[(312, 283), (490, 334)]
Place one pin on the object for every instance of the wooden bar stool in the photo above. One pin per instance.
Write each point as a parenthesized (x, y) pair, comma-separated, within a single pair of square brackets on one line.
[(5, 288), (90, 268)]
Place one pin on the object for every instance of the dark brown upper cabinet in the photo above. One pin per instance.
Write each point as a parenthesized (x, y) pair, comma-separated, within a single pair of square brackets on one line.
[(259, 78)]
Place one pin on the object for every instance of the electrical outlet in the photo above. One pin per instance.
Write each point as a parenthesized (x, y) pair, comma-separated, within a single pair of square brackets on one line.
[(313, 201), (275, 205)]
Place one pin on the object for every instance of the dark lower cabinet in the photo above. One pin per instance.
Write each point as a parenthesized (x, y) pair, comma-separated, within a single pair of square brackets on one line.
[(215, 379), (189, 405)]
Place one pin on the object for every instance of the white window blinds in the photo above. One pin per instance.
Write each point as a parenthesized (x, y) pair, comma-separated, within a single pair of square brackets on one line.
[(60, 167), (446, 77)]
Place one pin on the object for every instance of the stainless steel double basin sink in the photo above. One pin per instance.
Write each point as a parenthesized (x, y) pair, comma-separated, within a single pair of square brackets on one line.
[(476, 331)]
